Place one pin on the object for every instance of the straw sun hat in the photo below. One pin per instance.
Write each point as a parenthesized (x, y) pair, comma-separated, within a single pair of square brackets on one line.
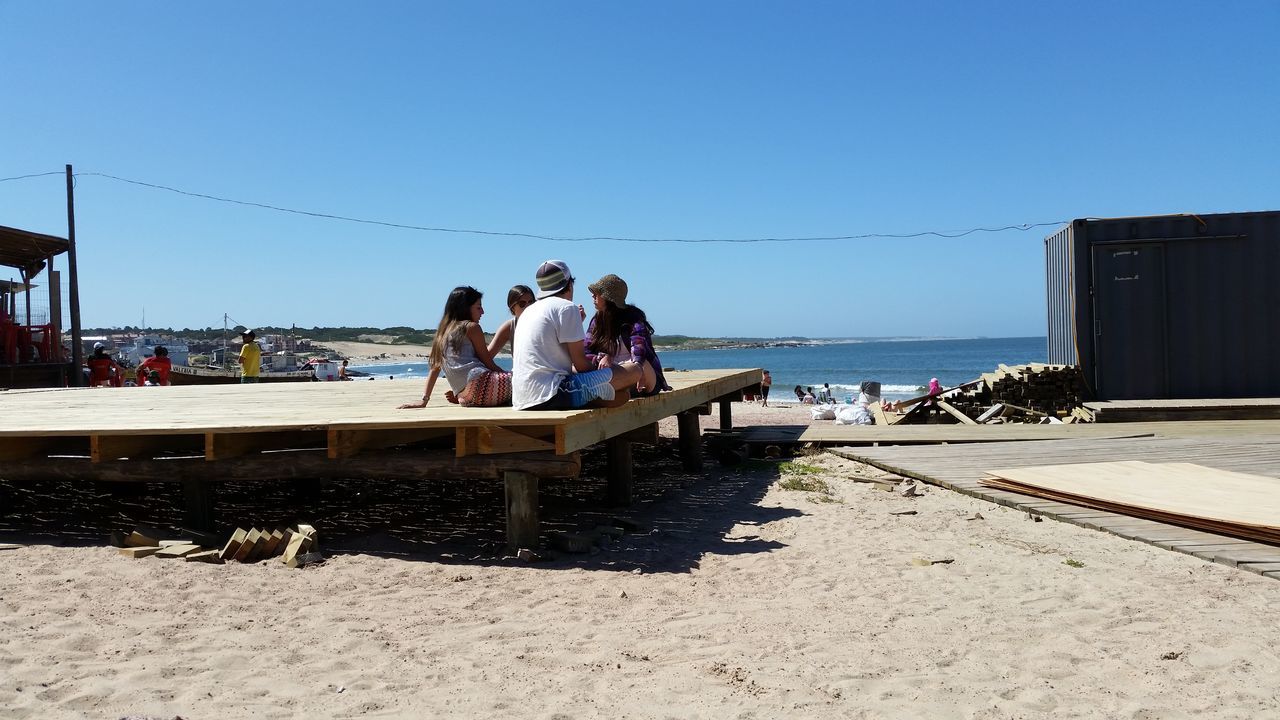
[(611, 288)]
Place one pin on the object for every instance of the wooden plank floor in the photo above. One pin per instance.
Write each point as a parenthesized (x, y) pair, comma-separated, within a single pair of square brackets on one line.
[(959, 467), (333, 407), (827, 433), (1112, 411)]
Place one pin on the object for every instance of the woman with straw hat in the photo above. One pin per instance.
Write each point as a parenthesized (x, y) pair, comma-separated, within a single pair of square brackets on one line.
[(621, 332)]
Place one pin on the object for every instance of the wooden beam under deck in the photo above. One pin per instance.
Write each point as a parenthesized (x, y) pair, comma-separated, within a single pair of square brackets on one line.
[(318, 431), (297, 465)]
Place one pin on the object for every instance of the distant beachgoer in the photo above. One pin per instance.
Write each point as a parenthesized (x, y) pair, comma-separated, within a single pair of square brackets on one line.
[(551, 370), (619, 332), (808, 398), (250, 358), (342, 370), (103, 370), (158, 363), (799, 394), (826, 393), (765, 381), (519, 297), (935, 388), (459, 351)]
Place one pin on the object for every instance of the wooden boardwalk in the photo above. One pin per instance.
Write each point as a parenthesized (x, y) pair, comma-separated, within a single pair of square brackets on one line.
[(201, 434), (1126, 411), (959, 467), (828, 434)]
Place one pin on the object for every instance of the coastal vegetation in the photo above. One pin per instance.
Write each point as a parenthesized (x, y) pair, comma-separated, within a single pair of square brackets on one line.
[(401, 335)]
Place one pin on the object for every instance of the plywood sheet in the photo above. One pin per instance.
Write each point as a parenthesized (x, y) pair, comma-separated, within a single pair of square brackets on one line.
[(1186, 493)]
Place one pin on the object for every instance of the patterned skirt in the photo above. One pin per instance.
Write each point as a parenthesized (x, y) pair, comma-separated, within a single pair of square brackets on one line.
[(486, 388)]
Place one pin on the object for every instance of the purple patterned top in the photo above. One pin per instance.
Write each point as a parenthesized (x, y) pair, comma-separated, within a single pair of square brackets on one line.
[(639, 339)]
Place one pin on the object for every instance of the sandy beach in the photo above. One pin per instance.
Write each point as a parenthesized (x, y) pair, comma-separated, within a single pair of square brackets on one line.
[(360, 353), (731, 597)]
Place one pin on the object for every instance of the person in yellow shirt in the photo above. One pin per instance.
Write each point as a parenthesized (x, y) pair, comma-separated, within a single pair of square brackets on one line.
[(250, 358)]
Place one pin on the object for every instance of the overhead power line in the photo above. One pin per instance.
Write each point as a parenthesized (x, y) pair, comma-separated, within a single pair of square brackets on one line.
[(555, 238)]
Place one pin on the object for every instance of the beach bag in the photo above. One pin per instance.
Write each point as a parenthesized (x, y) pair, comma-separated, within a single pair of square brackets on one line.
[(824, 412), (486, 388), (853, 415)]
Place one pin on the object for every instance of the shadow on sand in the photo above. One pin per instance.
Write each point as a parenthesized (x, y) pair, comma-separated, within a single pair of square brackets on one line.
[(676, 517)]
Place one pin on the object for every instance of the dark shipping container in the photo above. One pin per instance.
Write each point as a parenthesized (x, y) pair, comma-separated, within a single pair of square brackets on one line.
[(1170, 306)]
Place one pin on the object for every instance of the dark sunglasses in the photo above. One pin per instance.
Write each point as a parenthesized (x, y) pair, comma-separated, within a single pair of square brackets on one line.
[(522, 304)]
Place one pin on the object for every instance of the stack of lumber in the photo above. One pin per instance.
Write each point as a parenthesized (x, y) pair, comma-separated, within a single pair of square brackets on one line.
[(1217, 501), (296, 547), (1029, 392), (146, 542)]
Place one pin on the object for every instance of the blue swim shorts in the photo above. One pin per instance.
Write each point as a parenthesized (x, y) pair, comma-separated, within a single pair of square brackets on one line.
[(578, 389)]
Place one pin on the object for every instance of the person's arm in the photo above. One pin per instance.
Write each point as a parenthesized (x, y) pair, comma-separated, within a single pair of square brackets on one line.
[(593, 358), (500, 339), (476, 336), (578, 355), (640, 340), (426, 394)]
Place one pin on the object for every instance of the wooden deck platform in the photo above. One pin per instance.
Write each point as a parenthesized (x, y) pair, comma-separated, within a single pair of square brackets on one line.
[(959, 467), (202, 434), (1113, 411)]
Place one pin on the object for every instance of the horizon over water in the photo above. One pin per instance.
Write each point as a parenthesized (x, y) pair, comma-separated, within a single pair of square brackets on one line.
[(900, 366)]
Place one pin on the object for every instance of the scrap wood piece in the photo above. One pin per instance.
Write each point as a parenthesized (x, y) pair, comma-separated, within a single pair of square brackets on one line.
[(142, 538), (304, 559), (248, 546), (991, 413), (139, 552), (272, 544), (1029, 411), (177, 551), (947, 408), (233, 544), (205, 556), (905, 403), (303, 542), (882, 418)]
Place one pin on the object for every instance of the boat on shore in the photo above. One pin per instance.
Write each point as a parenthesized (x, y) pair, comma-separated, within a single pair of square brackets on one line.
[(185, 375)]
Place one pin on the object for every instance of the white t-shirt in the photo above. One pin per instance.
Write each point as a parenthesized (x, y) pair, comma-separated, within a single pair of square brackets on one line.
[(539, 360)]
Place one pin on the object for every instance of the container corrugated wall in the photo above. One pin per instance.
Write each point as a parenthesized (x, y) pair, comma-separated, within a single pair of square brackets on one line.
[(1178, 306), (1058, 278)]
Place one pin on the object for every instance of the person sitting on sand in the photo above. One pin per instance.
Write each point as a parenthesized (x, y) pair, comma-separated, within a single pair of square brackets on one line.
[(159, 363), (458, 349), (619, 332), (519, 297), (342, 371), (551, 370), (808, 398), (799, 394)]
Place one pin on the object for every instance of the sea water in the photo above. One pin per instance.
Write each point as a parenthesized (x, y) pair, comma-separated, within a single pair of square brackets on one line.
[(902, 367)]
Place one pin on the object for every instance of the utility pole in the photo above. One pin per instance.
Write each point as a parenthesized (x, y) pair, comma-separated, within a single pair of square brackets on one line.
[(77, 347)]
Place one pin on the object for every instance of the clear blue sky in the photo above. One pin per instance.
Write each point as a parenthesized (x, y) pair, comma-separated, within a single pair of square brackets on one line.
[(650, 120)]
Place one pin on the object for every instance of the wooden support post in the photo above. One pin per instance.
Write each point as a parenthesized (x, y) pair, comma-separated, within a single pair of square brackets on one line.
[(726, 414), (198, 496), (619, 471), (522, 509), (690, 440)]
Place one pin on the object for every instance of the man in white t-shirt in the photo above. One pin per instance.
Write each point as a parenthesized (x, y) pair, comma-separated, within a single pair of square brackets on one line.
[(550, 370)]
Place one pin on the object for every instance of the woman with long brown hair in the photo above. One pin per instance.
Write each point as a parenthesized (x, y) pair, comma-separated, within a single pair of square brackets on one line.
[(621, 332), (459, 351)]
